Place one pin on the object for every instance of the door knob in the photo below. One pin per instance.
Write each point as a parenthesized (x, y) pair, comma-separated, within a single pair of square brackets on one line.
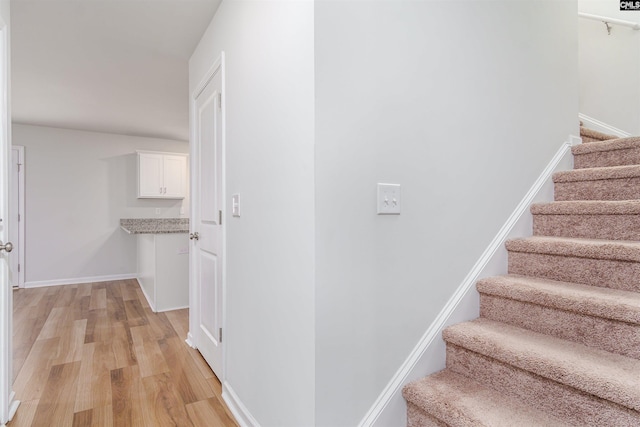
[(194, 236), (6, 247)]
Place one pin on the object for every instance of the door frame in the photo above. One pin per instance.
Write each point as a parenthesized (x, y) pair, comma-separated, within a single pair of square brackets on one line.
[(194, 156), (20, 224), (8, 403)]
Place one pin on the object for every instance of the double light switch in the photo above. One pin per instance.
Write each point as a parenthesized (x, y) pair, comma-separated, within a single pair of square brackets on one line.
[(388, 199)]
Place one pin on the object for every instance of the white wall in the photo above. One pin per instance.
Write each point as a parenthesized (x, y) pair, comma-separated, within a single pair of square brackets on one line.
[(78, 186), (610, 67), (463, 104), (269, 159)]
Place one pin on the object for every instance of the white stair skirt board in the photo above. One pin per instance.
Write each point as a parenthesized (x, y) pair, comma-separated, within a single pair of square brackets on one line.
[(79, 280), (237, 408), (591, 123), (428, 356)]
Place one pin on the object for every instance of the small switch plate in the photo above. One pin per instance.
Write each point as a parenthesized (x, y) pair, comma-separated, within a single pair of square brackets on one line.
[(388, 199), (157, 211), (235, 205)]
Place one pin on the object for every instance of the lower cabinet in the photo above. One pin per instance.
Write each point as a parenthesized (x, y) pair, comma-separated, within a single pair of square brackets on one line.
[(163, 270)]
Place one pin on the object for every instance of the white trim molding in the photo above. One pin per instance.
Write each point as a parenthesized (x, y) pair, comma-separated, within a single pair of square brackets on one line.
[(428, 356), (240, 412), (180, 307), (591, 123), (13, 407), (189, 341), (151, 303), (574, 140), (79, 280), (8, 402)]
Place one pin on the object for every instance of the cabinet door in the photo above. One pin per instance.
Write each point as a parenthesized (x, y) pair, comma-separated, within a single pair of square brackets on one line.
[(150, 175), (175, 176)]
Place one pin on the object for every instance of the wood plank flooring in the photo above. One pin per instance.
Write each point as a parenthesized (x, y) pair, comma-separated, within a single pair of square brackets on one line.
[(96, 355)]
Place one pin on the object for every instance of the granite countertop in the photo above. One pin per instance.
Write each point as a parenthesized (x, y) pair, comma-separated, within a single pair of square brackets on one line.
[(155, 225)]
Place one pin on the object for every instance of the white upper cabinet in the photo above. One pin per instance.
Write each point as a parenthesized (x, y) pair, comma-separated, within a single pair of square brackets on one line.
[(162, 175)]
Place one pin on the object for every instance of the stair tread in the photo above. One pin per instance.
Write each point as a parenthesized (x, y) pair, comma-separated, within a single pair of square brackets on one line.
[(586, 133), (620, 250), (595, 301), (460, 401), (596, 174), (598, 372), (587, 207), (607, 145)]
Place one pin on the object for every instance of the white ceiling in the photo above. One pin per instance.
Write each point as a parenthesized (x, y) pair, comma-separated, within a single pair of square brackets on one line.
[(117, 66)]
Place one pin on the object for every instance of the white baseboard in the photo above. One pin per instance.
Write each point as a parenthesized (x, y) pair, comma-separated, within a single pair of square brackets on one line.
[(13, 406), (428, 356), (240, 412), (591, 123), (189, 341), (172, 308), (152, 306), (78, 280)]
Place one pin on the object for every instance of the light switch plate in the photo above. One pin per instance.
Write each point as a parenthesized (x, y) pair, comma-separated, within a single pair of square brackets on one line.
[(235, 205), (388, 199)]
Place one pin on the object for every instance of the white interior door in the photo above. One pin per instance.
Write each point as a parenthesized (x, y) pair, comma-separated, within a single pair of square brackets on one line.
[(206, 217), (8, 404), (16, 215)]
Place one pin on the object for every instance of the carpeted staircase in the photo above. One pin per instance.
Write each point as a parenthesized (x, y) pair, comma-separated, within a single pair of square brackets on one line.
[(558, 338)]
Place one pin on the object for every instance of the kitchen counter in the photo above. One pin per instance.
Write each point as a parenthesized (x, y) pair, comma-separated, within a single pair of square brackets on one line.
[(163, 260), (155, 225)]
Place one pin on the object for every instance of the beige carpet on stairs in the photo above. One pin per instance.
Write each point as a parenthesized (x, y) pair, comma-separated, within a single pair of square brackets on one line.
[(558, 338), (590, 135)]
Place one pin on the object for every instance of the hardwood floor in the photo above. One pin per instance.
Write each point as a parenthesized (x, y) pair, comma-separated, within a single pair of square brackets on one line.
[(96, 355)]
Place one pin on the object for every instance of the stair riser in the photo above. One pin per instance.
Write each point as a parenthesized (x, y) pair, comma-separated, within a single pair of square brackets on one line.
[(589, 139), (606, 189), (416, 417), (611, 227), (596, 272), (629, 156), (611, 335), (581, 409)]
